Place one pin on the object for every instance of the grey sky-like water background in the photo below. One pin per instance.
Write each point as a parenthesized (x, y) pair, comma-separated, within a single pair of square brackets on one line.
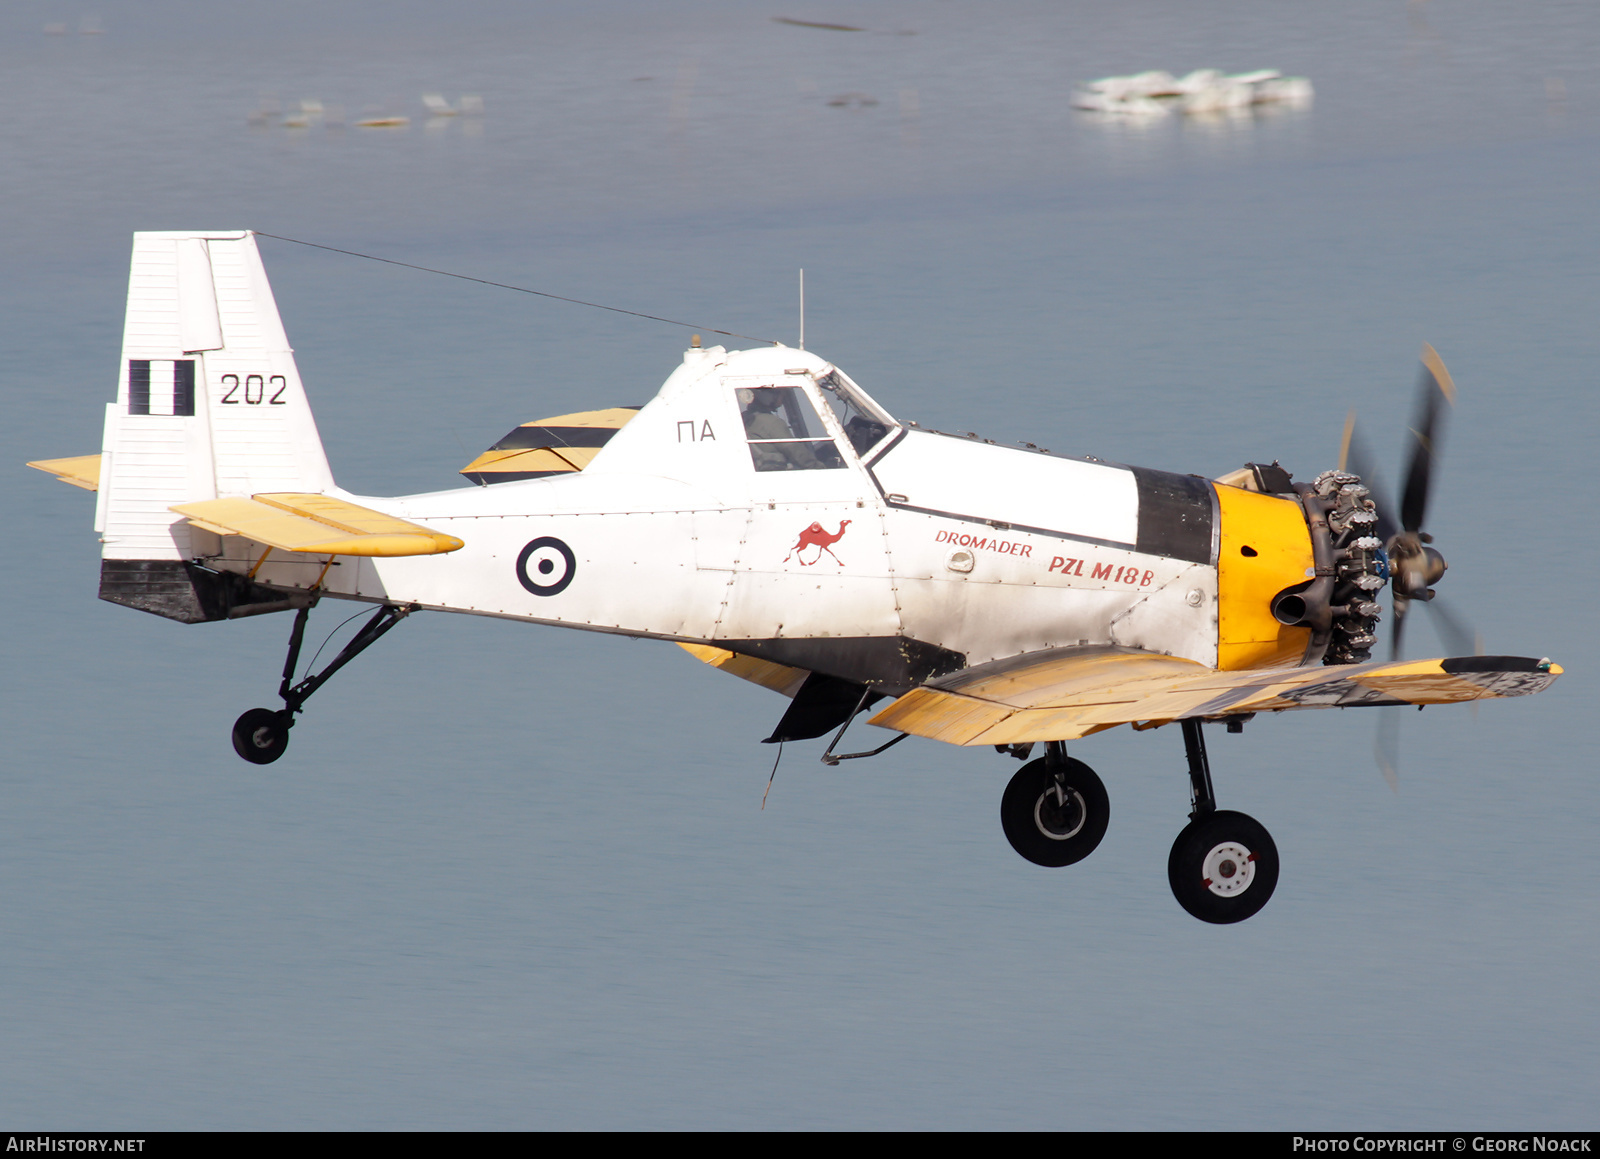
[(510, 877)]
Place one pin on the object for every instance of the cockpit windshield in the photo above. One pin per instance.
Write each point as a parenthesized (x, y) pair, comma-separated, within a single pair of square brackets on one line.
[(784, 431), (864, 424)]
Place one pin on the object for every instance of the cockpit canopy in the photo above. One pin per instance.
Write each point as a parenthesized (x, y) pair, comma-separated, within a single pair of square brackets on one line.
[(865, 423), (785, 433), (788, 415)]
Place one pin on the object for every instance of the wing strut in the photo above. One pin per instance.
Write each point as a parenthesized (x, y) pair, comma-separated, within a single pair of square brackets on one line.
[(828, 758)]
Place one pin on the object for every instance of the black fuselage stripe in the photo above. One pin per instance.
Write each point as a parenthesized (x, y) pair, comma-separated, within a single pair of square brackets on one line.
[(1177, 515)]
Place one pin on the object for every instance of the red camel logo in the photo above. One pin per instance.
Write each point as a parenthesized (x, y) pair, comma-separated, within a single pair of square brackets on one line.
[(815, 536)]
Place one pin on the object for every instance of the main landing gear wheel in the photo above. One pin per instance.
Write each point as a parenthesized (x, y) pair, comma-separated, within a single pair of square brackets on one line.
[(1055, 813), (1223, 867), (261, 735)]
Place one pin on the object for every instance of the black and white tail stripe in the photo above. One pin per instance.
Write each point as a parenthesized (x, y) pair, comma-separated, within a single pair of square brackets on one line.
[(160, 387)]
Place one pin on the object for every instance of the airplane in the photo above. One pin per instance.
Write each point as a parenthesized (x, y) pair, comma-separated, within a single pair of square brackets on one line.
[(766, 514)]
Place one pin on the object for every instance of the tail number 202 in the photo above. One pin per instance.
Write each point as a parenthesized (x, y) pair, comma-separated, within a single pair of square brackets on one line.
[(256, 389)]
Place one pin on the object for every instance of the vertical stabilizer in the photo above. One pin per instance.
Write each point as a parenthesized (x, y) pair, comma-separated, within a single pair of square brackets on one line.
[(209, 405), (209, 402)]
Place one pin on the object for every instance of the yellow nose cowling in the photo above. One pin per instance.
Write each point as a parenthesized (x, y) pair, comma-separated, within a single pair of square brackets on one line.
[(1265, 547)]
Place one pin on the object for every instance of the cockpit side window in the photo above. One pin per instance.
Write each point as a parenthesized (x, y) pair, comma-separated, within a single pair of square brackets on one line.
[(784, 431), (864, 425)]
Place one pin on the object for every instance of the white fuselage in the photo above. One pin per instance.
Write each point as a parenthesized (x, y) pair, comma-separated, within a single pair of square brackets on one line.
[(671, 532)]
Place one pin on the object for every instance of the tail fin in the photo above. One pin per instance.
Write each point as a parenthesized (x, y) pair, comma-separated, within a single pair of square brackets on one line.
[(209, 404)]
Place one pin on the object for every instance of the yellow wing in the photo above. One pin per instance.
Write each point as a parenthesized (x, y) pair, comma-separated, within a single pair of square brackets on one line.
[(1067, 693), (778, 677), (317, 525), (553, 446)]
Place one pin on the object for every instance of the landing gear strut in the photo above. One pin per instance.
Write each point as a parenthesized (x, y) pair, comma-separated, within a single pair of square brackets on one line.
[(1055, 809), (261, 735), (1224, 865)]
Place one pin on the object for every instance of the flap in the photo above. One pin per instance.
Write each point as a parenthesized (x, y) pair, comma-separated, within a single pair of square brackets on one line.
[(1067, 693), (317, 525), (81, 470)]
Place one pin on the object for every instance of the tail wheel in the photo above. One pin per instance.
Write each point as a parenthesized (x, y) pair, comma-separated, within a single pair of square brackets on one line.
[(261, 735), (1055, 814), (1223, 867)]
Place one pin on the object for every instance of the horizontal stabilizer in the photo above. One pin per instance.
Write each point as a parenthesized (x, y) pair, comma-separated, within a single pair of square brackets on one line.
[(316, 525), (80, 470), (1067, 693)]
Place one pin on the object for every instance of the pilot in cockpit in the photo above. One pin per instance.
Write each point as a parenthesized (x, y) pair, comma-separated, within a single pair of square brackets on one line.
[(774, 445)]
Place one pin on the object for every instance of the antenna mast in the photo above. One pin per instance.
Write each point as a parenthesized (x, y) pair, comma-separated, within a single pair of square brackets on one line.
[(802, 309)]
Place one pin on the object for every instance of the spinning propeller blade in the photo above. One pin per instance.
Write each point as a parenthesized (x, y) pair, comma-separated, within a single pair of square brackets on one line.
[(1460, 638), (1355, 457), (1434, 393), (1386, 747), (1413, 564)]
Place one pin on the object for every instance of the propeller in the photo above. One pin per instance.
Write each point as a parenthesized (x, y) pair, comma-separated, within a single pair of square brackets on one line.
[(1414, 564)]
